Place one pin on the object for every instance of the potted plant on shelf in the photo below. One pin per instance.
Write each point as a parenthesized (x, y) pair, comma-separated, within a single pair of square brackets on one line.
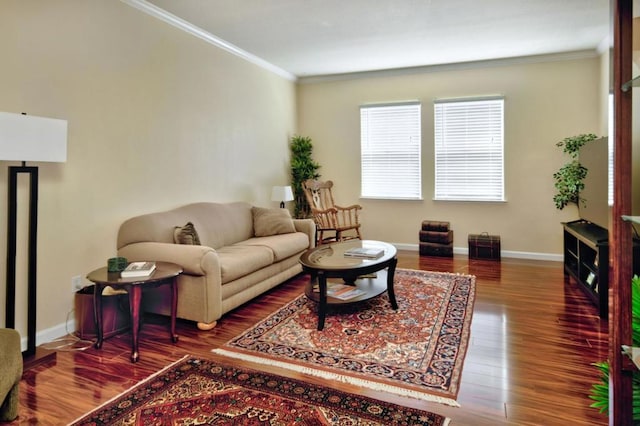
[(569, 179), (302, 168), (600, 391)]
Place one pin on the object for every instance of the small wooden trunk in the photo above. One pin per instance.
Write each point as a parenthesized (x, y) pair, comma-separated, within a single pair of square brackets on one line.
[(484, 246), (435, 225), (442, 237), (436, 249)]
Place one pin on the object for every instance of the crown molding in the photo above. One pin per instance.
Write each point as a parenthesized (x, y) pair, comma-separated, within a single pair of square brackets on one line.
[(161, 14), (169, 18), (565, 56)]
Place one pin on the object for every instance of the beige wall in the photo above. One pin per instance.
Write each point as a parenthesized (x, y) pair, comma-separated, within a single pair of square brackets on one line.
[(156, 118), (605, 89), (544, 103)]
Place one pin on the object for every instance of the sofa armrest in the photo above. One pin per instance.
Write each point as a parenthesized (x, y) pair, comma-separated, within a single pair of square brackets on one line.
[(307, 226), (194, 260)]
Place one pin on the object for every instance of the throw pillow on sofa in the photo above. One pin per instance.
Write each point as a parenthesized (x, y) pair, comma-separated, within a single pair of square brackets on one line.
[(268, 222), (186, 234)]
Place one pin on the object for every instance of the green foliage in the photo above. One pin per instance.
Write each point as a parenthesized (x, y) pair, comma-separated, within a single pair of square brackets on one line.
[(569, 179), (302, 168), (572, 145), (569, 184), (635, 310), (600, 391)]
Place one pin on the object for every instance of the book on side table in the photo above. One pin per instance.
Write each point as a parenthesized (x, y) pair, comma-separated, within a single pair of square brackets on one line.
[(138, 269)]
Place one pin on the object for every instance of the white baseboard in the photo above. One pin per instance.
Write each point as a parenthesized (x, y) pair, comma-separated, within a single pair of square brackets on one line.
[(504, 253), (50, 334)]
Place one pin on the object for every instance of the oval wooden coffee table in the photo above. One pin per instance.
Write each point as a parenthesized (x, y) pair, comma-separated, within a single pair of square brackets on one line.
[(371, 276), (165, 273)]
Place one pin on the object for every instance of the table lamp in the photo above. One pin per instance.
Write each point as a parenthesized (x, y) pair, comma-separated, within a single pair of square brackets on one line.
[(282, 194)]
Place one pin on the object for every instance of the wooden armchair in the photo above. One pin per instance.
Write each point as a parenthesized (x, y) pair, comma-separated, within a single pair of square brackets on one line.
[(329, 217)]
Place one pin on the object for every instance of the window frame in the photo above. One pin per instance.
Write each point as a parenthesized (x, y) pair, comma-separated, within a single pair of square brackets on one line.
[(489, 157), (410, 174)]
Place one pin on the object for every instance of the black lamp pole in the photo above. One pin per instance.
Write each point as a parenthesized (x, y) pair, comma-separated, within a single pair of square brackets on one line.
[(14, 171)]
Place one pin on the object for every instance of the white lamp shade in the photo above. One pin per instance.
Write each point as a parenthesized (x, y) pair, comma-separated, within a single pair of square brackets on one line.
[(31, 138), (281, 193)]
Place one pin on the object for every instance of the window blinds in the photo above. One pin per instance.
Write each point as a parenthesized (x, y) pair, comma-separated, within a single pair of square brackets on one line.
[(390, 151), (469, 148)]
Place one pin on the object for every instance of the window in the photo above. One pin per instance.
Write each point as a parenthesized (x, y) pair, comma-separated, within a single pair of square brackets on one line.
[(469, 149), (390, 151)]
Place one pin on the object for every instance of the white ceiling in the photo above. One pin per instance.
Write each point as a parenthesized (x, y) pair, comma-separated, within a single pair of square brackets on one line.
[(325, 37)]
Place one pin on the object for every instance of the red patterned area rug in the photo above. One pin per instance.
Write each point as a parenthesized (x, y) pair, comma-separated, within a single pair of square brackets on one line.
[(196, 391), (417, 351)]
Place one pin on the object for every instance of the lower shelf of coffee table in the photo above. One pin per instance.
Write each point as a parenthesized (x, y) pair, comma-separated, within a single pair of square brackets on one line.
[(372, 287)]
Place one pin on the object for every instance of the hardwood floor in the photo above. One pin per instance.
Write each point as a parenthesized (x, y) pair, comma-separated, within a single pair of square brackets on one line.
[(533, 338)]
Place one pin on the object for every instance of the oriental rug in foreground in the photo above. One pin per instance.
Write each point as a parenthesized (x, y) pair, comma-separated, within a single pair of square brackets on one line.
[(416, 351), (196, 391)]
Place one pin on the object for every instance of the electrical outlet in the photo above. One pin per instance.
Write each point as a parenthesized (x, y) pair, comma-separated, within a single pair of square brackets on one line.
[(76, 283)]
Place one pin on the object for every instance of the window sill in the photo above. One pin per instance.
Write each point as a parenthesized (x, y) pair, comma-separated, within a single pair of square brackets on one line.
[(391, 199), (457, 200)]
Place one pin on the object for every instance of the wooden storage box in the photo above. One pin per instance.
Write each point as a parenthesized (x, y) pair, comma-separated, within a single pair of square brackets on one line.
[(484, 246), (442, 237), (435, 225), (436, 249)]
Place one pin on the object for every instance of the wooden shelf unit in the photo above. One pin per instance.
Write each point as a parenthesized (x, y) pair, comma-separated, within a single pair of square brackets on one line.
[(586, 259)]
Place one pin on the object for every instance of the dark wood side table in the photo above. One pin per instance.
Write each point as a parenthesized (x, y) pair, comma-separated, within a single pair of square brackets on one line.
[(165, 273)]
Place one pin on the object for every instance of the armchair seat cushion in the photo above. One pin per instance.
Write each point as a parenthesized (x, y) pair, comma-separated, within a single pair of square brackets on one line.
[(10, 373)]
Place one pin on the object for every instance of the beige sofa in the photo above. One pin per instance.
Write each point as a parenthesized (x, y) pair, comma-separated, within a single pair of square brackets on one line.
[(236, 253)]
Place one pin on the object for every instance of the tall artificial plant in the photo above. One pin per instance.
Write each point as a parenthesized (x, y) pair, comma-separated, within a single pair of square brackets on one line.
[(569, 179), (600, 391), (302, 168)]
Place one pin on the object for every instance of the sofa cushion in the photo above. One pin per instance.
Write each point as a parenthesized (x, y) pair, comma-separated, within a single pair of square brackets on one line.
[(283, 246), (186, 234), (239, 260), (218, 224), (267, 222)]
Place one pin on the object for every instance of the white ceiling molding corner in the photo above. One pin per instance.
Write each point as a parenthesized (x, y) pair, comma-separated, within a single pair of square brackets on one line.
[(605, 45), (163, 15)]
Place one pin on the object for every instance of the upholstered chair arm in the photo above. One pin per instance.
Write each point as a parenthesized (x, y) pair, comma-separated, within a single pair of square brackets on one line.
[(194, 260), (307, 226), (199, 286)]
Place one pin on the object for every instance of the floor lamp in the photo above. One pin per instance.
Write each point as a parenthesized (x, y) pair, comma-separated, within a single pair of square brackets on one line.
[(27, 138)]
